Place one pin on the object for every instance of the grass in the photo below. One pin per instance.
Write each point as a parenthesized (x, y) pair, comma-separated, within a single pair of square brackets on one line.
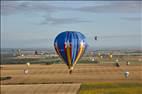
[(111, 88), (5, 78)]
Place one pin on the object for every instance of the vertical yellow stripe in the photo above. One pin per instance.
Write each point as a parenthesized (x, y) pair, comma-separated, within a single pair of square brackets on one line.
[(68, 55), (79, 54)]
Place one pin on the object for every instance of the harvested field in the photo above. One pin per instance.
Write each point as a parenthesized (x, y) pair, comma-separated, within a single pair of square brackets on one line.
[(58, 73), (55, 79), (40, 89)]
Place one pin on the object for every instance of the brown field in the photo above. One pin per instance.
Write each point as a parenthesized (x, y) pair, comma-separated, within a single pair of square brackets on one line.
[(58, 73), (50, 78), (40, 89)]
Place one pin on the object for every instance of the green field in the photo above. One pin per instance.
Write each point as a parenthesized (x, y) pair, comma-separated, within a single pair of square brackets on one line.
[(111, 88)]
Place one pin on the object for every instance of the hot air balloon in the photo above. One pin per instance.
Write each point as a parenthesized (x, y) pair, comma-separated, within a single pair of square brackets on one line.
[(126, 74), (95, 37), (26, 71), (93, 59), (101, 57), (28, 64), (117, 60), (70, 46), (110, 55), (117, 63), (127, 63)]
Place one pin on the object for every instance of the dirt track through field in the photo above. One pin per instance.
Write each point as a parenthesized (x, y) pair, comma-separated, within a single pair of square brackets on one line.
[(40, 89)]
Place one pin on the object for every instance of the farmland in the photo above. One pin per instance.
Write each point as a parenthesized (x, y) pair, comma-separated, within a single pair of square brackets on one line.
[(44, 76), (49, 75)]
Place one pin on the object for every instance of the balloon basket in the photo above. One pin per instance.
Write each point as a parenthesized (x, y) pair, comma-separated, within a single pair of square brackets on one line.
[(70, 72)]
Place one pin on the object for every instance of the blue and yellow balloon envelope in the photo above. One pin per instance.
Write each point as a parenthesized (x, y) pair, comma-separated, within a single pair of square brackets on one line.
[(70, 46)]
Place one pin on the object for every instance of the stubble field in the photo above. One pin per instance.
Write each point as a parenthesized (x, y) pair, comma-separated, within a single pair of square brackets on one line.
[(55, 79)]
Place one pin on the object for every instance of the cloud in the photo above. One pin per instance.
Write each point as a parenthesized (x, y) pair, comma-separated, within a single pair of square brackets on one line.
[(8, 7), (132, 18), (12, 7), (115, 7), (59, 21)]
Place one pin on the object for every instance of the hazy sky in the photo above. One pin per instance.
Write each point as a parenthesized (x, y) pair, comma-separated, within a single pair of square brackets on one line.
[(35, 24)]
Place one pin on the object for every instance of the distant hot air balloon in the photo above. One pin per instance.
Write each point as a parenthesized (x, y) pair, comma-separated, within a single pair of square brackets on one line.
[(117, 63), (117, 60), (95, 37), (126, 74), (127, 63), (101, 57), (28, 64), (110, 55), (70, 46), (93, 59), (26, 71)]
